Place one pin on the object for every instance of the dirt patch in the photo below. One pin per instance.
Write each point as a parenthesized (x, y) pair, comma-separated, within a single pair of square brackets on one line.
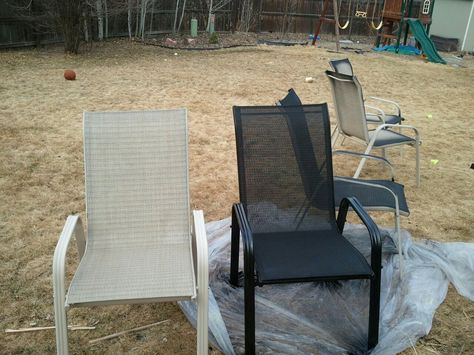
[(219, 40)]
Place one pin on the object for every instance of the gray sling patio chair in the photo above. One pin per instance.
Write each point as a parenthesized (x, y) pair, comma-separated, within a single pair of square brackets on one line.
[(141, 245), (350, 110), (374, 195), (286, 215), (378, 115)]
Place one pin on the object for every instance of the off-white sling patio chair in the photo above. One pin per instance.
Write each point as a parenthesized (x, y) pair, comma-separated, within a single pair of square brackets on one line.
[(352, 123), (374, 114), (141, 244)]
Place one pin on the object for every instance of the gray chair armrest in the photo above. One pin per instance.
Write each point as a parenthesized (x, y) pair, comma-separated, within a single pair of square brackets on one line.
[(368, 156)]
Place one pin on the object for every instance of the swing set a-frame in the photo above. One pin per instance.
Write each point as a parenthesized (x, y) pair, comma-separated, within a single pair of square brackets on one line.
[(376, 16)]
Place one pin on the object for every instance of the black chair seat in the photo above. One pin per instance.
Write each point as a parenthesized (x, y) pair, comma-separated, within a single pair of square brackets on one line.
[(389, 119), (307, 256), (369, 196), (386, 138)]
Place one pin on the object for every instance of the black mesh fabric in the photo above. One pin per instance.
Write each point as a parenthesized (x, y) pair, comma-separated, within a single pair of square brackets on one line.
[(291, 99), (371, 197), (285, 187)]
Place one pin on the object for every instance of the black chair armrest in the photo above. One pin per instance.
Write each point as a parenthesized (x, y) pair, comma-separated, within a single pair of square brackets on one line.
[(374, 232), (239, 219)]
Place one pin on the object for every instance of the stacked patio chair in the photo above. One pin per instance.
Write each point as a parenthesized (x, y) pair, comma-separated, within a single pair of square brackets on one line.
[(286, 215), (374, 195), (374, 114), (352, 123), (141, 245)]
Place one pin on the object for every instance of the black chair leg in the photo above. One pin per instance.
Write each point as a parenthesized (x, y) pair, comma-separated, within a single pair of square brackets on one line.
[(234, 250), (249, 300), (374, 311)]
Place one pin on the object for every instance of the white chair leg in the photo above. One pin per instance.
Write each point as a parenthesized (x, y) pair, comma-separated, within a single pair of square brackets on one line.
[(202, 321), (362, 161), (399, 237), (417, 147), (334, 137), (202, 283), (60, 318)]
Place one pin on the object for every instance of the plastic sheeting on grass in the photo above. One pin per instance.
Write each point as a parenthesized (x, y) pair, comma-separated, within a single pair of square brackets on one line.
[(332, 318)]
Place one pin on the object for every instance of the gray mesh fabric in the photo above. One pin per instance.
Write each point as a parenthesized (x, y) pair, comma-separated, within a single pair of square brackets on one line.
[(349, 102), (390, 119), (387, 138), (137, 208), (342, 66)]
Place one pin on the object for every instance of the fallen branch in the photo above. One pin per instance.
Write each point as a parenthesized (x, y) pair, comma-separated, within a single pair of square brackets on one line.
[(115, 335), (35, 329)]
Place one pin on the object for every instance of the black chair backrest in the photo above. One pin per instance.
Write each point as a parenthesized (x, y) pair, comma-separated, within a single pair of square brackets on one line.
[(291, 99), (342, 66), (285, 167)]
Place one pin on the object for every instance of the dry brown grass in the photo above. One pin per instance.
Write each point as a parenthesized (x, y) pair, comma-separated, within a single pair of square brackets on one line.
[(41, 169)]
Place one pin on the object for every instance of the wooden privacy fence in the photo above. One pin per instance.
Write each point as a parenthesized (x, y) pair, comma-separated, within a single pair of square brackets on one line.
[(296, 16)]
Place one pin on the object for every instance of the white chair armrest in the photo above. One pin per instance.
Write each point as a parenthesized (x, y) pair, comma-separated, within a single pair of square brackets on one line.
[(201, 248), (391, 102), (73, 226), (202, 271), (379, 112)]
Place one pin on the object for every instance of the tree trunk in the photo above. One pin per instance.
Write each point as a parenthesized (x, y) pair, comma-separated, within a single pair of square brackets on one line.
[(182, 15), (69, 17), (129, 19), (151, 16), (143, 18), (100, 19), (106, 19), (175, 16), (85, 26), (209, 17), (137, 22)]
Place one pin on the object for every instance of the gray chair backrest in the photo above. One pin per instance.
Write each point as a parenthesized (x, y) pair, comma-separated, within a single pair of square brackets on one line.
[(349, 102), (342, 66), (136, 178)]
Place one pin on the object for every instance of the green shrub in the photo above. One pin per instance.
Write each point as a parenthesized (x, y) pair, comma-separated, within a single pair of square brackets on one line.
[(213, 38)]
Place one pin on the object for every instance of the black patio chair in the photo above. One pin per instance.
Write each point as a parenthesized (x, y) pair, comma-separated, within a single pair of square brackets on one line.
[(286, 214)]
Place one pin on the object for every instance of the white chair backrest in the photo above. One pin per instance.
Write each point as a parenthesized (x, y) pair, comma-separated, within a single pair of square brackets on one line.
[(349, 103), (342, 66), (136, 171)]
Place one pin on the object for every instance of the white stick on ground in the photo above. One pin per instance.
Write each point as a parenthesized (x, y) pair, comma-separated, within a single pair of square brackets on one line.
[(115, 335), (34, 329)]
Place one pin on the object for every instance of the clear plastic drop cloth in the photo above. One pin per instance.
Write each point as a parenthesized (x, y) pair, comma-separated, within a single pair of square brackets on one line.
[(332, 318)]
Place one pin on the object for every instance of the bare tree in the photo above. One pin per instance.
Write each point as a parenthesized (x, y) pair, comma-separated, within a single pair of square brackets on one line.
[(290, 7), (246, 19), (129, 18), (215, 5), (100, 18), (64, 16)]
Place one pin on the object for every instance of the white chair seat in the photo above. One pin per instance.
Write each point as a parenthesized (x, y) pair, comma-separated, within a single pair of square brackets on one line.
[(137, 274)]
